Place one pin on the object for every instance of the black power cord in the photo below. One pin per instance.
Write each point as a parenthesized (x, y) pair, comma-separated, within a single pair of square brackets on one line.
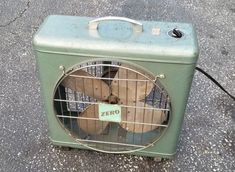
[(213, 80)]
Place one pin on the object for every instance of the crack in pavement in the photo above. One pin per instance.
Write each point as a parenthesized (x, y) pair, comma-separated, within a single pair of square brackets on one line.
[(18, 16)]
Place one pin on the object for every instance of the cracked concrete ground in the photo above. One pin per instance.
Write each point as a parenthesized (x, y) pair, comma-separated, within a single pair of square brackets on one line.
[(21, 13), (207, 141)]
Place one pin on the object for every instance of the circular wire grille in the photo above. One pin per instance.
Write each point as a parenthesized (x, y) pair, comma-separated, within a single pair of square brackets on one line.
[(143, 104)]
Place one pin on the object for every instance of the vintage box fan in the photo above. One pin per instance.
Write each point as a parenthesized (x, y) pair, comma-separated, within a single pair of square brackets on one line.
[(114, 84)]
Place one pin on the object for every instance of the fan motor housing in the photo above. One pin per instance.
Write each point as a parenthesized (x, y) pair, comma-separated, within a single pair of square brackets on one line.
[(66, 44)]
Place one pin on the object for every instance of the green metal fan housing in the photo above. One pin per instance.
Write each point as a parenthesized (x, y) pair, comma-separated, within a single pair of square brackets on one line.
[(64, 42)]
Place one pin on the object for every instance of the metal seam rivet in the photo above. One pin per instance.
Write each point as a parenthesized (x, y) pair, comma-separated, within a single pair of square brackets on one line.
[(61, 67), (161, 76)]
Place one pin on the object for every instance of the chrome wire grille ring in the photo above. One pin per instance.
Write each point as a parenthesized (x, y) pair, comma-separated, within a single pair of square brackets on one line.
[(144, 104)]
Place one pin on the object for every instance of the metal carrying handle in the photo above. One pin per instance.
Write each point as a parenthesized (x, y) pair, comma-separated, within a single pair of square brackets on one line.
[(137, 26)]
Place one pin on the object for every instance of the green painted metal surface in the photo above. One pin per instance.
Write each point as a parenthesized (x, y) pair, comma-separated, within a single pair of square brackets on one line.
[(67, 41)]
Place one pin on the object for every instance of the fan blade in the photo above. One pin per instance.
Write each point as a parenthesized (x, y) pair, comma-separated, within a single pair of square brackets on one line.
[(91, 87), (140, 115), (131, 89), (91, 126)]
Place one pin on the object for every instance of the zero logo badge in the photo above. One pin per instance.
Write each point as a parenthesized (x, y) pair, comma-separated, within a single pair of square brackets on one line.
[(109, 112)]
